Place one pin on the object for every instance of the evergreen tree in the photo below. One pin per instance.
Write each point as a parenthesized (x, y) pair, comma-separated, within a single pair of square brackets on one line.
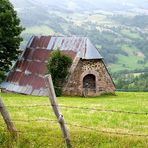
[(10, 30)]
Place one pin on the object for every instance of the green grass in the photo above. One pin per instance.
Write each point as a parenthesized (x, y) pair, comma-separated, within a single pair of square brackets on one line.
[(48, 134), (43, 29), (131, 50), (129, 62)]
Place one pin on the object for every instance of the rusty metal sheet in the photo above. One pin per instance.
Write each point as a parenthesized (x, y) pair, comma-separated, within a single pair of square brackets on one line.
[(41, 92), (19, 89), (51, 43), (41, 41), (23, 90), (35, 41), (34, 67), (25, 79), (70, 53), (30, 42), (28, 90), (81, 45), (27, 75), (41, 55), (15, 87), (27, 54), (16, 76), (35, 92), (46, 41), (44, 92), (10, 87), (9, 78), (5, 85), (22, 65), (77, 44)]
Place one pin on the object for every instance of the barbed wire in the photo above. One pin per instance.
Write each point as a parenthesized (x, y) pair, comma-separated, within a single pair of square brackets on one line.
[(36, 120), (75, 125), (84, 127), (108, 132), (23, 106), (33, 132), (83, 108), (105, 110)]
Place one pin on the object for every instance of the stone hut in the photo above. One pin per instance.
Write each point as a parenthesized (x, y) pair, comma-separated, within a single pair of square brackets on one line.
[(88, 73)]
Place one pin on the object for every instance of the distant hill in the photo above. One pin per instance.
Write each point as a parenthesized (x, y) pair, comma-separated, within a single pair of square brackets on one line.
[(119, 30), (83, 5)]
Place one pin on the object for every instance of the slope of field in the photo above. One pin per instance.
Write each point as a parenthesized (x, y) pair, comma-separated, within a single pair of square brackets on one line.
[(109, 24), (123, 45), (104, 127)]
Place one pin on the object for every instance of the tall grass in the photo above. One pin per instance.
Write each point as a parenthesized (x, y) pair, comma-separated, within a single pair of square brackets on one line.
[(43, 133)]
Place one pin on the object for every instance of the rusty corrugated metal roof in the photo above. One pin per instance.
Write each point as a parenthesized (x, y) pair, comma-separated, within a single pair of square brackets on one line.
[(27, 75), (81, 45)]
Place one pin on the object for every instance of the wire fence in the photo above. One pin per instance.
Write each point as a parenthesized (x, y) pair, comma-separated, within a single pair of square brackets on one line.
[(92, 129), (32, 132), (35, 120), (74, 125), (36, 133), (108, 132), (81, 108)]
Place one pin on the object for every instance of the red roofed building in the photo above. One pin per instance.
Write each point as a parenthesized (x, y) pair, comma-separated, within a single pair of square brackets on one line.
[(88, 73)]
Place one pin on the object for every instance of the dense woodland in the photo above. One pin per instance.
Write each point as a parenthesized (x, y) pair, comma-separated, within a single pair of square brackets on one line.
[(131, 82)]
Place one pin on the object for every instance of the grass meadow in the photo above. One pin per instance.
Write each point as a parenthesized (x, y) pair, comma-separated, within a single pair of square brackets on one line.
[(89, 128)]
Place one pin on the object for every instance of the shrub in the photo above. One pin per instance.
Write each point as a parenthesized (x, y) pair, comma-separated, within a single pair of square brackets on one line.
[(2, 76), (58, 66)]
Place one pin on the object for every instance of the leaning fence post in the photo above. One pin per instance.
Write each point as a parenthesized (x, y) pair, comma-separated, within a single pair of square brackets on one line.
[(10, 126), (55, 106)]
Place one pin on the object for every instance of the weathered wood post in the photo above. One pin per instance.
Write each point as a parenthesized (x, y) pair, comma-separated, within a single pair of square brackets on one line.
[(10, 126), (55, 106)]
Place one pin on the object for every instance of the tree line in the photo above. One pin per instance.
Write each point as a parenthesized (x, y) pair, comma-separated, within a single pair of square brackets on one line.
[(131, 82)]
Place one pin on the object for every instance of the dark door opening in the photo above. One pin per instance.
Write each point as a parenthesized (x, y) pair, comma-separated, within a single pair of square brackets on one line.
[(89, 84)]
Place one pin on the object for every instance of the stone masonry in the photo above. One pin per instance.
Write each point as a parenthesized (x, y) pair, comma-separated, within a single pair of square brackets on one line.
[(93, 70)]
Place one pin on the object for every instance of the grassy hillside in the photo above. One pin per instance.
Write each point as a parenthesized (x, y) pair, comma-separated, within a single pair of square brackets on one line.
[(121, 38), (118, 29), (88, 127)]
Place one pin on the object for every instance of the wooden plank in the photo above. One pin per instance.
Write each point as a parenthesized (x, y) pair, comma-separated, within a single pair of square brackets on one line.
[(56, 109), (10, 126)]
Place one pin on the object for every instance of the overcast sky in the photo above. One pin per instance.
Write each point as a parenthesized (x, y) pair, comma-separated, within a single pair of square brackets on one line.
[(83, 4)]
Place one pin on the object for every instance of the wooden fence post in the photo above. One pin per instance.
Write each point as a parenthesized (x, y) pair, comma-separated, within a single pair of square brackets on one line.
[(54, 103), (10, 126)]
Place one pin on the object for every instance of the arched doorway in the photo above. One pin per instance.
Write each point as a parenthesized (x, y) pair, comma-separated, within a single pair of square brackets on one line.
[(89, 84)]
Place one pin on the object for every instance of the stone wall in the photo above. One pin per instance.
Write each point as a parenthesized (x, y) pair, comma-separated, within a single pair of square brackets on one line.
[(104, 83)]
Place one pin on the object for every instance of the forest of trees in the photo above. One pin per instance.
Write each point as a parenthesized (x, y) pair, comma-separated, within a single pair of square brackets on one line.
[(131, 82)]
